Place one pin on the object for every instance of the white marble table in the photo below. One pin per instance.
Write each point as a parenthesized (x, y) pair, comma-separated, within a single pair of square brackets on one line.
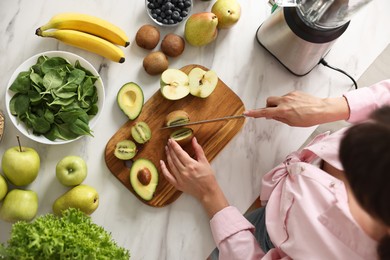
[(180, 230)]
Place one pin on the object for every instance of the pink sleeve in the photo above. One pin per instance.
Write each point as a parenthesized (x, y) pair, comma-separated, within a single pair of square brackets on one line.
[(234, 238), (365, 100)]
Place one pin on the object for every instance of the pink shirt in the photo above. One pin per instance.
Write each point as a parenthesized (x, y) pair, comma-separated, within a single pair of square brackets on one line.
[(307, 214)]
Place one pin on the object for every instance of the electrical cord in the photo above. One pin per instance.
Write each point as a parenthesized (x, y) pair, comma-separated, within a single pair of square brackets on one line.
[(323, 62)]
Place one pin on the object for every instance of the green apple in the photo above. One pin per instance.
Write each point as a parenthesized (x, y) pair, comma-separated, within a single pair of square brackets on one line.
[(201, 28), (19, 205), (3, 187), (20, 165), (71, 170), (83, 197), (227, 11), (202, 83), (174, 84)]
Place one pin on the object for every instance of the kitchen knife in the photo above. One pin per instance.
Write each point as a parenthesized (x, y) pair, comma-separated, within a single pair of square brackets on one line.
[(205, 121)]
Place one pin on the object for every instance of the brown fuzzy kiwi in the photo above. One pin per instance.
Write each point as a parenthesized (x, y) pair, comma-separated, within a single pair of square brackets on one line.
[(147, 36), (172, 45), (155, 63)]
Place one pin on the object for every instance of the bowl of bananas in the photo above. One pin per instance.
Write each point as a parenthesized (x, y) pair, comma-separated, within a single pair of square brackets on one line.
[(55, 97)]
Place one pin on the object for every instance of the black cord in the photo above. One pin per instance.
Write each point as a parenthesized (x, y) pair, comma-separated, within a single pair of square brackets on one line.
[(323, 62)]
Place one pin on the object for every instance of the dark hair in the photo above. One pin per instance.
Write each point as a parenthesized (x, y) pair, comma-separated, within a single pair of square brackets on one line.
[(365, 156)]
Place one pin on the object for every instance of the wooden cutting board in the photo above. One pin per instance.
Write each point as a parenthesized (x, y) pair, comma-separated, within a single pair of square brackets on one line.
[(212, 136)]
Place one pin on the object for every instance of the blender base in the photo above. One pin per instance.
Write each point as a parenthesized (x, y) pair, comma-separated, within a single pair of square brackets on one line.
[(298, 47)]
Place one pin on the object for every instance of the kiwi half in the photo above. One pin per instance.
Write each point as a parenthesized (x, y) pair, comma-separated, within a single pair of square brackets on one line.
[(177, 117), (125, 150), (141, 132), (183, 135)]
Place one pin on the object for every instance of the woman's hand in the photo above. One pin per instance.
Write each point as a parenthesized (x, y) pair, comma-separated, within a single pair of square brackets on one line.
[(300, 109), (193, 176)]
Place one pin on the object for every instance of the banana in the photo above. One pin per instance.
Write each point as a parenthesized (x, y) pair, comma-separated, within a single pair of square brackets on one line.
[(87, 42), (89, 24)]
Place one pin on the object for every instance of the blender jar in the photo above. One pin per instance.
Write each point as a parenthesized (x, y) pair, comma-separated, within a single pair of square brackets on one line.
[(328, 14)]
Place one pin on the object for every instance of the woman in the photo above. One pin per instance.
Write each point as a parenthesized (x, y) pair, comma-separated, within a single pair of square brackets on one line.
[(311, 211)]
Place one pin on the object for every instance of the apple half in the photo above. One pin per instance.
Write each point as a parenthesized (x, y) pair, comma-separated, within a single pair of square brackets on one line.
[(174, 84), (202, 83)]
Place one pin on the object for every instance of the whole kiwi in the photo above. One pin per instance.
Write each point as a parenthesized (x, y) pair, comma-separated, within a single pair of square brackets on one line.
[(155, 63), (147, 36), (172, 45)]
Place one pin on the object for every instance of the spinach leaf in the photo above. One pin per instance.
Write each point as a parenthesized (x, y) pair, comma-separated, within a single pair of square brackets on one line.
[(52, 79), (22, 104), (54, 63), (80, 128), (65, 133), (21, 83), (36, 79), (76, 76), (39, 124)]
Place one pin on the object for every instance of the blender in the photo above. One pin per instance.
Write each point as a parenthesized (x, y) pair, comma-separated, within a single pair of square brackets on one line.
[(299, 33)]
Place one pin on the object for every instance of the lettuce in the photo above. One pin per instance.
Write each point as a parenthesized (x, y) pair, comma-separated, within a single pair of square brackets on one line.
[(71, 236)]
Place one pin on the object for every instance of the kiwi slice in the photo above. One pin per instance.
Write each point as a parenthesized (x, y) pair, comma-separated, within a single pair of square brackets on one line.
[(141, 132), (183, 135), (177, 117), (125, 150)]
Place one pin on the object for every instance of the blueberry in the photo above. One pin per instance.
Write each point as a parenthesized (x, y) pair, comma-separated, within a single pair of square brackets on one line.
[(157, 11), (175, 15), (184, 14), (181, 5), (168, 12), (162, 15), (151, 6), (187, 3), (165, 21), (159, 19), (154, 16), (180, 19)]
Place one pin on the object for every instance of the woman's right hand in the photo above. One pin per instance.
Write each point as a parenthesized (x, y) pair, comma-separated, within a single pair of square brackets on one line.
[(300, 109)]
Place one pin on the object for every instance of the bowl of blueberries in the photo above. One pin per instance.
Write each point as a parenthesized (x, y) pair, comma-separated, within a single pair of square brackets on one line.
[(168, 12)]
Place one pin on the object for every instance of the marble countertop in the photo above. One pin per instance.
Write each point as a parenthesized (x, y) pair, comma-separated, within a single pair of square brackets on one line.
[(180, 230)]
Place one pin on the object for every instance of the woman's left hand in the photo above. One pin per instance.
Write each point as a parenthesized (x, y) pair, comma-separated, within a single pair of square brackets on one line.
[(193, 175)]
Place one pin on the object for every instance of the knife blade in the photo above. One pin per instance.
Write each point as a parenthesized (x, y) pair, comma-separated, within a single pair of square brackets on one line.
[(205, 121)]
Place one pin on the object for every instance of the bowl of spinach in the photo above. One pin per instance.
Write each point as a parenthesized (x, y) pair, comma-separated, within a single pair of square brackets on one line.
[(55, 97)]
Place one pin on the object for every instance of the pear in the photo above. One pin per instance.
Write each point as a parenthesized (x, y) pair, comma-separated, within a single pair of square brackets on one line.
[(19, 205), (201, 28), (83, 197), (227, 11)]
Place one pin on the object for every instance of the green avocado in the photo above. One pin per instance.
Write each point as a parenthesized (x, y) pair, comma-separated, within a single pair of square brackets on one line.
[(130, 99), (144, 178)]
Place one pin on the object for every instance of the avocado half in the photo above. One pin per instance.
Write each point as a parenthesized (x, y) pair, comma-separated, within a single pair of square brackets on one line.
[(130, 99), (144, 178)]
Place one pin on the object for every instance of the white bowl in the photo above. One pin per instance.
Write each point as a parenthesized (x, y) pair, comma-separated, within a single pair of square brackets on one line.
[(25, 66)]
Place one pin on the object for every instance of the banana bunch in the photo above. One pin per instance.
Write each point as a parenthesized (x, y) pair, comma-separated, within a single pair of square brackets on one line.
[(88, 33)]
